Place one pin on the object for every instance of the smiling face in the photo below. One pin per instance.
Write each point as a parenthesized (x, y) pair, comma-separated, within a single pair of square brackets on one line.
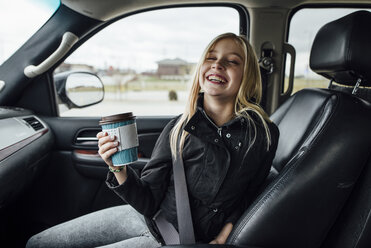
[(221, 72)]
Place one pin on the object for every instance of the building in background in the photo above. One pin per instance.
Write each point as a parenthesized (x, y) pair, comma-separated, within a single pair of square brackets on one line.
[(174, 69), (75, 67)]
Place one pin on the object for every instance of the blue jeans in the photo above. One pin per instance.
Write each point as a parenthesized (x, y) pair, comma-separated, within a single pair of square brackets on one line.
[(120, 226)]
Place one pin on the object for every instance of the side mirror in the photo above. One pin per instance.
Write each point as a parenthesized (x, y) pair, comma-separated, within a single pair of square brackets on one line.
[(79, 89)]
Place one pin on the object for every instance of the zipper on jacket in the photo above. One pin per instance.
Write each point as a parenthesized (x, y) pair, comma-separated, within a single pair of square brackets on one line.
[(218, 129)]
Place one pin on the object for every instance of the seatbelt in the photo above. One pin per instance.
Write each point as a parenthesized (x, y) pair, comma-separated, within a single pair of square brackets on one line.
[(168, 232), (185, 224)]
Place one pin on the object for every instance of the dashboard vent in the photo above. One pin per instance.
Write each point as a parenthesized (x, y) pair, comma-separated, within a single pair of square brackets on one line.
[(34, 123)]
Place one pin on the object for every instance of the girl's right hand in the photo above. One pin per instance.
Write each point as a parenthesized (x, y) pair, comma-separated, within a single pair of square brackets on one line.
[(107, 147)]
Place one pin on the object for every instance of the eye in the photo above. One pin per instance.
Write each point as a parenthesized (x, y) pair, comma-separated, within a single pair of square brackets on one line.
[(234, 62), (210, 58)]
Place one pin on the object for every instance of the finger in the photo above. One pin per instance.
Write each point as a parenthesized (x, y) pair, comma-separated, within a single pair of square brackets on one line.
[(109, 153), (105, 139), (101, 134), (107, 146)]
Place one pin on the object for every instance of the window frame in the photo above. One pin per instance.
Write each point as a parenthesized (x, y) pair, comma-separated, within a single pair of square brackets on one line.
[(244, 29), (244, 21), (311, 6)]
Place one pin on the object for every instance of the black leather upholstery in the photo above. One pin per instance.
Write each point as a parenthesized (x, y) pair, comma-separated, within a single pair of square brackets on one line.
[(341, 49), (323, 164), (353, 227), (304, 116), (320, 195)]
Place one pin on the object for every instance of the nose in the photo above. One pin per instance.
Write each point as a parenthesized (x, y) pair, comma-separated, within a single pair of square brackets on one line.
[(217, 65)]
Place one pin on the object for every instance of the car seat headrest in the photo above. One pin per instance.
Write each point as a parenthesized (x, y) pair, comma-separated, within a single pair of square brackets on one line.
[(341, 50)]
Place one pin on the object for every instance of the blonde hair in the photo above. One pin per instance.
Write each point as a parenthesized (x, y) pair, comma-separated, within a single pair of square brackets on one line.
[(247, 99)]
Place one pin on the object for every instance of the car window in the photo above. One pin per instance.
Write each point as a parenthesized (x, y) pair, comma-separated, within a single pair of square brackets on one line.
[(20, 20), (146, 60), (304, 25)]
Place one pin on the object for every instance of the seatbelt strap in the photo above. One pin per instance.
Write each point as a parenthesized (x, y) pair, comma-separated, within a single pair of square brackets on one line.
[(168, 232), (185, 224)]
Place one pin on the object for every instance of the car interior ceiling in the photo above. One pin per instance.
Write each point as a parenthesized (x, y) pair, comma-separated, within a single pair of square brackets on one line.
[(322, 169)]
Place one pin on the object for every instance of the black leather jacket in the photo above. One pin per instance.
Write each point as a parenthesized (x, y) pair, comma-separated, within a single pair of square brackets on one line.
[(223, 174)]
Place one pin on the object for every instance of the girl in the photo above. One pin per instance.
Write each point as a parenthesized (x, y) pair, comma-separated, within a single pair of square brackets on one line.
[(227, 144)]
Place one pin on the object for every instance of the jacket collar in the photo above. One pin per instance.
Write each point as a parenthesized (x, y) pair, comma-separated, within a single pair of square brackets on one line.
[(200, 107), (202, 126)]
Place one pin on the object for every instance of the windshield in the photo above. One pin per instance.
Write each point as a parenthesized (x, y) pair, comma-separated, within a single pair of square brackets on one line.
[(20, 20)]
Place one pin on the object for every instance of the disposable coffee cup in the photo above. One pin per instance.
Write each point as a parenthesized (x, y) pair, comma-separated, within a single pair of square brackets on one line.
[(124, 127)]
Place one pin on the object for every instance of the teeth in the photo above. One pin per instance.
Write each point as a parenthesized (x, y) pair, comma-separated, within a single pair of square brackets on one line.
[(216, 79)]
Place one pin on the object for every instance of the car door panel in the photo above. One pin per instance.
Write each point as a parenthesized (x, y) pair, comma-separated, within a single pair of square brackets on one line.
[(68, 129), (75, 177), (90, 164)]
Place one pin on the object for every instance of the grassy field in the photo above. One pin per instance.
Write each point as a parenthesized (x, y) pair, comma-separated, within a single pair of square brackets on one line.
[(301, 83), (151, 83), (147, 83)]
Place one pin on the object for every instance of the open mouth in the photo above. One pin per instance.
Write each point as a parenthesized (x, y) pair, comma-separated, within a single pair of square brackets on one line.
[(217, 79)]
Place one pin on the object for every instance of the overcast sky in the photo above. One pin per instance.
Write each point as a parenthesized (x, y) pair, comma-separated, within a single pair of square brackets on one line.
[(139, 41), (19, 20)]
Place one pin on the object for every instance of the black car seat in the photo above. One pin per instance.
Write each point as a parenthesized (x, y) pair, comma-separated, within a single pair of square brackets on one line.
[(321, 192)]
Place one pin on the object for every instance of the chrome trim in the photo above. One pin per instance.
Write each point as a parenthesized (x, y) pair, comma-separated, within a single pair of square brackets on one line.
[(2, 84), (87, 139)]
